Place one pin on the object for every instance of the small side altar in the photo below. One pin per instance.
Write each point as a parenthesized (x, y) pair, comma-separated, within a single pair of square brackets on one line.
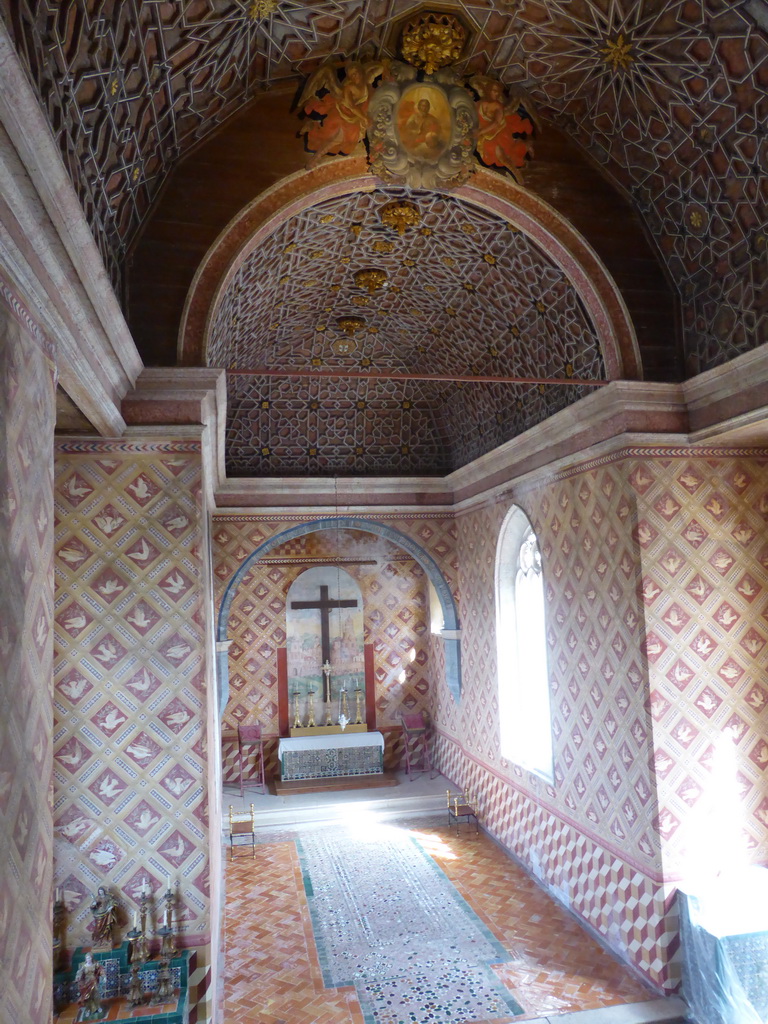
[(114, 985), (330, 756)]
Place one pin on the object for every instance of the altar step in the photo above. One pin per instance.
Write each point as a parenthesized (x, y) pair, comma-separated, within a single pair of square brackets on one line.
[(336, 785), (399, 797)]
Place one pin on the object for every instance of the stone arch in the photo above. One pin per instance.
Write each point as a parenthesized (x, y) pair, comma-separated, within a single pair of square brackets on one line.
[(451, 633)]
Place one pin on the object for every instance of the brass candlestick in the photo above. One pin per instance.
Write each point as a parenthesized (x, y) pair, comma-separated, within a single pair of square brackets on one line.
[(358, 706), (140, 951), (164, 991), (136, 988), (59, 929), (328, 710), (139, 945), (311, 710), (296, 715), (168, 947)]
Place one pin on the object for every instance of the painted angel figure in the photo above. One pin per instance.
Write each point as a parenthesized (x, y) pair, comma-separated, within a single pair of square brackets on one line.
[(342, 107), (503, 135)]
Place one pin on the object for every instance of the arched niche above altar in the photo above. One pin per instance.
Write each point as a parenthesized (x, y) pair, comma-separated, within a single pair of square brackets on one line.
[(325, 644)]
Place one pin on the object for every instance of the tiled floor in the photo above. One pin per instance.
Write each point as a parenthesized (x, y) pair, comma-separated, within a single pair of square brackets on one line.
[(272, 970)]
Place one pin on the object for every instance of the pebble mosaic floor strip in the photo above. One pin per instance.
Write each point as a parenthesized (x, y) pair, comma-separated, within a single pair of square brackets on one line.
[(387, 920), (273, 974)]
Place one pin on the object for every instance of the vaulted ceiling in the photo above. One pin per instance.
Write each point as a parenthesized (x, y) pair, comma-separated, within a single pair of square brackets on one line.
[(669, 98)]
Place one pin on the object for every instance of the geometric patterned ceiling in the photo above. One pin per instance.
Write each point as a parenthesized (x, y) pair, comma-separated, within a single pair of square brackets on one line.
[(467, 295), (669, 96)]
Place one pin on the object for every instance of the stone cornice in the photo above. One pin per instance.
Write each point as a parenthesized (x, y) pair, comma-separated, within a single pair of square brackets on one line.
[(170, 399), (621, 407), (49, 255), (341, 493), (730, 402)]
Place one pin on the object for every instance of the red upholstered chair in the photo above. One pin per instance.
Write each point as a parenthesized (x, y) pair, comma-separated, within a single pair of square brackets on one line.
[(416, 747), (249, 741)]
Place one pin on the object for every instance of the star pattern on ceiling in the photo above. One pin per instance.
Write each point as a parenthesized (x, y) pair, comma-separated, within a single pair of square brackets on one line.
[(468, 294), (669, 96)]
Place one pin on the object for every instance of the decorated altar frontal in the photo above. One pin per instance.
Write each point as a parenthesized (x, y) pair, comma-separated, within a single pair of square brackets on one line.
[(326, 757)]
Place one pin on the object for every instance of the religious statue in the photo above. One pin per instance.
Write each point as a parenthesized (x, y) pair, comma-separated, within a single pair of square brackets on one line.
[(87, 981), (503, 135), (104, 910), (341, 107)]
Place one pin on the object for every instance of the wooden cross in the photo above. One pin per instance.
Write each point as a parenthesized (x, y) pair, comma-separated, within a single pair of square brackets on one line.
[(324, 606)]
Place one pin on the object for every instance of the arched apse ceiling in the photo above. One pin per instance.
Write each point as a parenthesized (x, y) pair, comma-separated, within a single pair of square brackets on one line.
[(669, 96), (467, 295)]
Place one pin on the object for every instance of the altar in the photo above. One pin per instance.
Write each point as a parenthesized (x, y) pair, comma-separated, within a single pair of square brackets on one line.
[(330, 756)]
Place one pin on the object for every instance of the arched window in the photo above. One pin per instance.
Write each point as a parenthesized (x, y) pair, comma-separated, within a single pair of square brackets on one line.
[(525, 729)]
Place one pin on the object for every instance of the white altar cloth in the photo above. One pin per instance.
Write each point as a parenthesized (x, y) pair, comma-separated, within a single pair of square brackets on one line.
[(330, 756)]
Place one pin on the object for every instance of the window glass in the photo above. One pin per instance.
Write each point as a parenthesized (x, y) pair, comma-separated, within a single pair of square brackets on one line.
[(525, 728)]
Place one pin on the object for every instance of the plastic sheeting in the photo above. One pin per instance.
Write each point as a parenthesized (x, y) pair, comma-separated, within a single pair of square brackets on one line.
[(724, 933)]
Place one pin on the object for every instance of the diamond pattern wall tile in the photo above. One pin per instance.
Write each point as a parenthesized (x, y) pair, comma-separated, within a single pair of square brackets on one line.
[(709, 634), (129, 650), (27, 415)]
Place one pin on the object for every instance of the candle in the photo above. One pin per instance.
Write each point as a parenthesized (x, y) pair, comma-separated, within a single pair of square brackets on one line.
[(57, 895), (136, 920), (145, 887)]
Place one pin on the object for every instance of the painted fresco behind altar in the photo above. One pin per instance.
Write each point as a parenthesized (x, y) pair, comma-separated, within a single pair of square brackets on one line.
[(396, 618), (304, 639)]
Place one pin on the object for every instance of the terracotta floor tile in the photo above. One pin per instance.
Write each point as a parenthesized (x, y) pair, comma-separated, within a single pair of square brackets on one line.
[(274, 977)]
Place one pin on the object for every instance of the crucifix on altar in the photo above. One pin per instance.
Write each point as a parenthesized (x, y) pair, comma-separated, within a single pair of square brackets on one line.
[(325, 652)]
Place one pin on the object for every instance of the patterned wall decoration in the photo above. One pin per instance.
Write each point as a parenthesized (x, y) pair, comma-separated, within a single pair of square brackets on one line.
[(461, 266), (702, 532), (27, 414), (591, 836), (131, 678), (633, 912), (655, 565), (670, 98), (396, 619)]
